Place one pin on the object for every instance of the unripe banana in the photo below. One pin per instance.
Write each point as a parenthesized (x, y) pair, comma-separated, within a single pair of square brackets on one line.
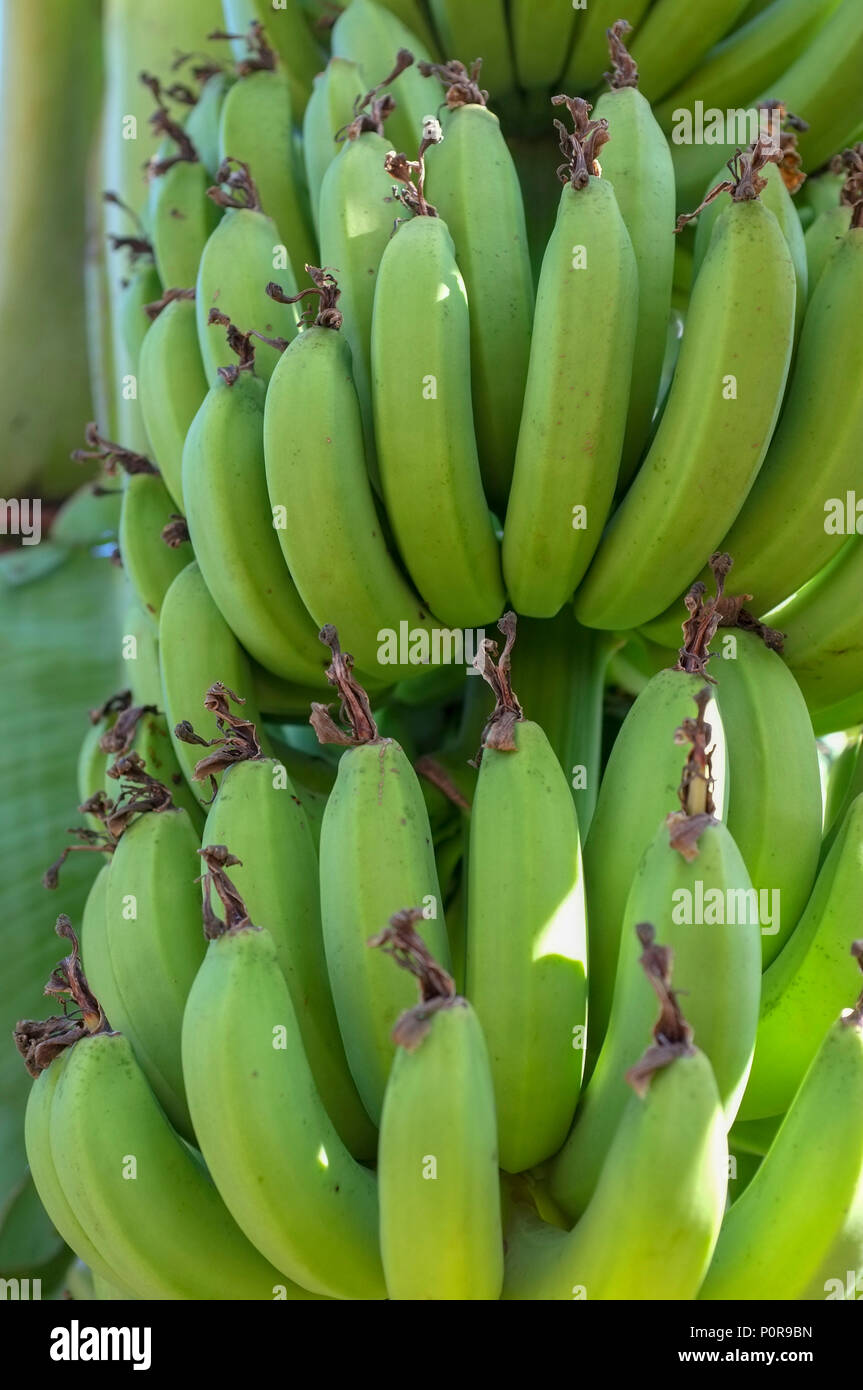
[(420, 373), (822, 240), (202, 123), (477, 193), (172, 385), (139, 288), (236, 266), (412, 14), (289, 32), (637, 163), (150, 563), (823, 634), (804, 986), (231, 525), (844, 785), (180, 215), (798, 1227), (376, 850), (370, 36), (526, 972), (652, 1223), (330, 108), (278, 1163), (478, 30), (196, 649), (96, 953), (716, 425), (258, 815), (256, 128), (770, 746), (717, 956), (541, 36), (589, 56), (674, 38), (326, 521), (575, 404), (440, 1221)]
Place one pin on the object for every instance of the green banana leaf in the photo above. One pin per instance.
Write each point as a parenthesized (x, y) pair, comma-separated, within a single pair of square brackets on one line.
[(60, 656)]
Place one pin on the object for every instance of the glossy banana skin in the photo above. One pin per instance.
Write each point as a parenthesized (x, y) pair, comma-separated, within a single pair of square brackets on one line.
[(477, 193), (823, 633), (526, 972), (196, 648), (258, 815), (370, 36), (661, 1193), (155, 942), (376, 855), (723, 1012), (770, 746), (804, 986), (575, 405), (477, 30), (150, 564), (441, 1236), (331, 539), (274, 1155), (330, 107), (799, 1223), (172, 386), (231, 524), (639, 787), (637, 163), (256, 126), (708, 448), (238, 262), (437, 506), (167, 1230)]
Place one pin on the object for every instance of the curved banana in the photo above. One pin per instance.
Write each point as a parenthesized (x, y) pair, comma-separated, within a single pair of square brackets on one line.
[(844, 785), (478, 195), (320, 494), (196, 649), (202, 122), (797, 1229), (330, 109), (822, 240), (478, 30), (236, 266), (440, 1220), (256, 128), (770, 745), (541, 36), (275, 1157), (412, 14), (151, 564), (171, 383), (232, 528), (575, 404), (651, 1226), (96, 953), (637, 163), (804, 986), (589, 57), (420, 376), (180, 215), (371, 36), (526, 971), (290, 34), (376, 851), (673, 38), (717, 422), (140, 287), (259, 817), (823, 635)]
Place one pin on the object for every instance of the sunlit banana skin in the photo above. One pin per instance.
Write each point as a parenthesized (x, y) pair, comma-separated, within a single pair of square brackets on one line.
[(370, 36), (823, 634), (330, 108)]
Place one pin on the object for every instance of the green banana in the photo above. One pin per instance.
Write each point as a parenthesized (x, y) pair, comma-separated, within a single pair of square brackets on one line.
[(172, 384), (477, 193), (330, 109), (478, 30), (637, 163), (376, 851), (770, 746), (638, 788), (279, 1164), (750, 58), (526, 971), (295, 44), (151, 564), (821, 625), (652, 1224), (95, 951), (412, 14), (541, 35), (673, 39), (716, 425), (256, 128), (371, 36), (139, 288), (822, 240), (232, 529), (180, 215), (801, 989), (259, 816), (586, 66), (236, 265), (326, 521), (196, 649), (798, 1226), (440, 1219), (202, 123), (571, 436), (421, 365), (844, 784), (838, 718)]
